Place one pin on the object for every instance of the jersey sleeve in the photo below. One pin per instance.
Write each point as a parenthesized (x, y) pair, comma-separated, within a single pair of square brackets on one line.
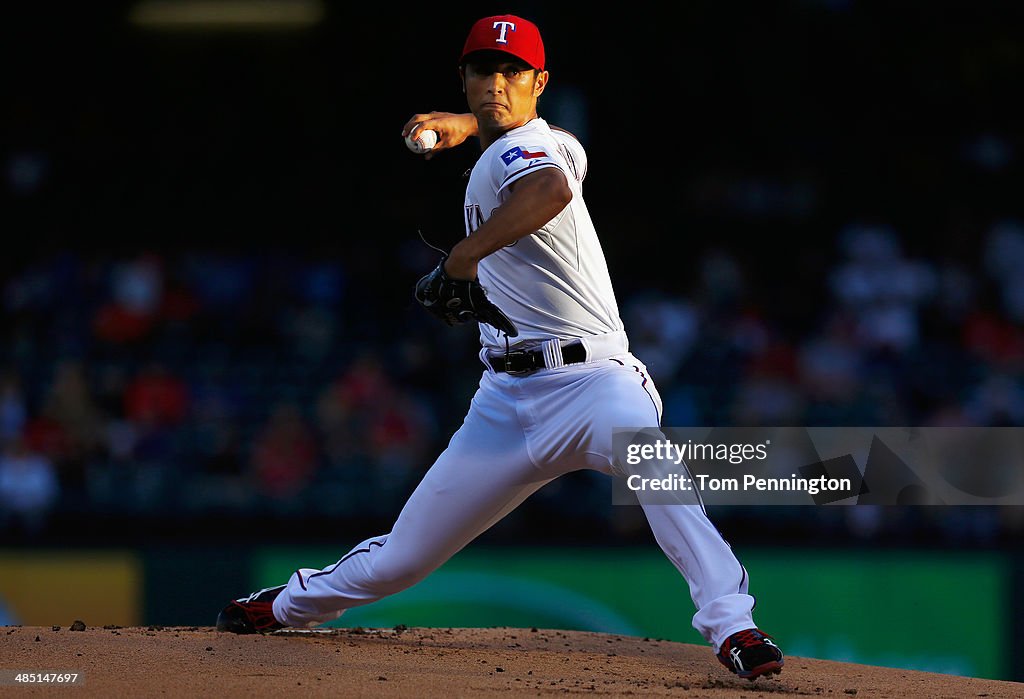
[(573, 153), (520, 160)]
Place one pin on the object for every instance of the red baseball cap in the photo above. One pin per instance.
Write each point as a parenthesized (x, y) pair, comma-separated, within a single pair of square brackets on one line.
[(508, 33)]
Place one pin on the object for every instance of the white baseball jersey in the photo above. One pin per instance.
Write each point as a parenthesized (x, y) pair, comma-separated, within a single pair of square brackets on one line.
[(553, 283)]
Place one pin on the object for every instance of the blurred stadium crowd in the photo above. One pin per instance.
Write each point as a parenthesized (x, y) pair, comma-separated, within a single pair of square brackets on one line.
[(175, 385), (209, 250)]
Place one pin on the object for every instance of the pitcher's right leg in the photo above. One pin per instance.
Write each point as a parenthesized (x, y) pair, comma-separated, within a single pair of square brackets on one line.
[(483, 474)]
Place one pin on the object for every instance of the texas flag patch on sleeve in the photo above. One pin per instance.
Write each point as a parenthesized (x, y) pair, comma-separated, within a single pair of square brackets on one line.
[(513, 154)]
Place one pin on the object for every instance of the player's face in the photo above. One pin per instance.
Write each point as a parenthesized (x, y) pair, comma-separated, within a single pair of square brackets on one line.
[(502, 93)]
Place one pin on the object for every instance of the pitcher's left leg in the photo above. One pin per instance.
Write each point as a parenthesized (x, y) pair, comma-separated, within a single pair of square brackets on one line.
[(718, 582)]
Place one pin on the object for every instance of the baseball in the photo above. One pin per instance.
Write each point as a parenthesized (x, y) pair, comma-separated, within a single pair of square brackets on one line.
[(424, 141)]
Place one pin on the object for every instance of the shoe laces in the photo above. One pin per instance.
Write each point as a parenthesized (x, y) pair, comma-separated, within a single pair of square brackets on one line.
[(748, 638)]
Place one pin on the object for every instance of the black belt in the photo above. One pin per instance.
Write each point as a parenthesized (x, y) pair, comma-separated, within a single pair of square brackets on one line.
[(520, 361)]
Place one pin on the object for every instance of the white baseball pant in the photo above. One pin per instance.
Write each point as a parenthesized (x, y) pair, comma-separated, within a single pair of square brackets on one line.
[(520, 433)]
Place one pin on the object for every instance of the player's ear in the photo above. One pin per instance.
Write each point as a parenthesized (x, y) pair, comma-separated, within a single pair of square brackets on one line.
[(462, 78), (540, 82)]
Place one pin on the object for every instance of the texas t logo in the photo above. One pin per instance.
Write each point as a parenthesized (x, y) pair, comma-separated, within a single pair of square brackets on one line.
[(503, 27)]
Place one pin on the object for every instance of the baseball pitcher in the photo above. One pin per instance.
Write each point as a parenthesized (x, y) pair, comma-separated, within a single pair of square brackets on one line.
[(557, 374)]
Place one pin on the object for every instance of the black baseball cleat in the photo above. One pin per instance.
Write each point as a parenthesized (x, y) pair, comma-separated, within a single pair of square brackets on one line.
[(252, 614), (750, 654)]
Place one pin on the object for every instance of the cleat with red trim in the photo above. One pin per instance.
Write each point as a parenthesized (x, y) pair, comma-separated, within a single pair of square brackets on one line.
[(252, 614), (750, 654)]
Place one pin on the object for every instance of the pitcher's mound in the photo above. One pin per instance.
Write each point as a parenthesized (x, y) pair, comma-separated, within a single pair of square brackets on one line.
[(427, 662)]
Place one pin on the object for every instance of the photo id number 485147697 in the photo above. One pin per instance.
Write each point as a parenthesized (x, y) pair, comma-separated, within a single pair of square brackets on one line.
[(19, 677)]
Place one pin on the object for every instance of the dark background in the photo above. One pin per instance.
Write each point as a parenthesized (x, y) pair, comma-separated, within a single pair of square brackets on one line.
[(811, 211)]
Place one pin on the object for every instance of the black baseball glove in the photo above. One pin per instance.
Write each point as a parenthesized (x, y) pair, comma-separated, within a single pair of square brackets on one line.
[(458, 301)]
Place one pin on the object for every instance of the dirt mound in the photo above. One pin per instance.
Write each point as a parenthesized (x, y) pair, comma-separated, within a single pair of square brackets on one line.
[(428, 662)]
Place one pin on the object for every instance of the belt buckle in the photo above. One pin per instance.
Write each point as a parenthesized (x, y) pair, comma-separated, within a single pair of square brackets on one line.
[(509, 358)]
